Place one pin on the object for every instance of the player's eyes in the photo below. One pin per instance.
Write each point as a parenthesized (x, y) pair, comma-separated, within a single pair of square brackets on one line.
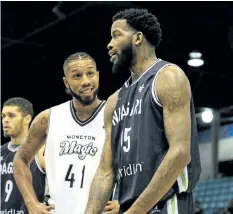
[(78, 76)]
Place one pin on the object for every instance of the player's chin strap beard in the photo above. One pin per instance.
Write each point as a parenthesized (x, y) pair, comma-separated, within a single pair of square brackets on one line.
[(73, 94), (78, 97)]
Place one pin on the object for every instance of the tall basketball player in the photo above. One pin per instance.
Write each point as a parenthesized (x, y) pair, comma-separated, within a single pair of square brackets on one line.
[(151, 136), (17, 114), (74, 134)]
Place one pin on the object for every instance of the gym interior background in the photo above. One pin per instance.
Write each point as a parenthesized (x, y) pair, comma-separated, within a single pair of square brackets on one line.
[(36, 37)]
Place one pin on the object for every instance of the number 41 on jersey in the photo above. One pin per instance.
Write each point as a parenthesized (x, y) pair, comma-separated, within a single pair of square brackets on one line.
[(70, 176)]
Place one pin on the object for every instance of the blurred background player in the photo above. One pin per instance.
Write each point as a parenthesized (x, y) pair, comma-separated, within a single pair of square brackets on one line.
[(17, 114)]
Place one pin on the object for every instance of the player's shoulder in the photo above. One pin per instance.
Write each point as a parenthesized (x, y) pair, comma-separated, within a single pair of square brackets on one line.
[(113, 98), (5, 150), (42, 118), (170, 68), (172, 72), (172, 80), (4, 147), (111, 103)]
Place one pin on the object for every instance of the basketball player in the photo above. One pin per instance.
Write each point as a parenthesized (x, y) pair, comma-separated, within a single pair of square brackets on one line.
[(151, 136), (17, 114), (74, 133)]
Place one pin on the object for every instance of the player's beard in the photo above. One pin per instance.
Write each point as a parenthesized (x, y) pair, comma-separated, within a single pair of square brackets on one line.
[(124, 60), (84, 102), (6, 135), (16, 132)]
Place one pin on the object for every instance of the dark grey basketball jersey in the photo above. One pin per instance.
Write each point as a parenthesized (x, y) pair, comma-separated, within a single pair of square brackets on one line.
[(11, 199), (139, 142)]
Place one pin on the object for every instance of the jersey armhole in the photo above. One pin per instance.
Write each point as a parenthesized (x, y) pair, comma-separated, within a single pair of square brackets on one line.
[(117, 98), (38, 164), (154, 94), (50, 110)]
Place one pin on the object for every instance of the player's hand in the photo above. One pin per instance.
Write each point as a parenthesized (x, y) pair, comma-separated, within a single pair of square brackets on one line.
[(39, 208), (112, 207)]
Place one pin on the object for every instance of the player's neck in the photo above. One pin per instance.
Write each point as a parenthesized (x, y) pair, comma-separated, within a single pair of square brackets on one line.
[(83, 112), (143, 61), (20, 138)]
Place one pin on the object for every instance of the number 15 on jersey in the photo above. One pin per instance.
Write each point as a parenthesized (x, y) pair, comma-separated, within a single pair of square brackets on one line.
[(125, 139)]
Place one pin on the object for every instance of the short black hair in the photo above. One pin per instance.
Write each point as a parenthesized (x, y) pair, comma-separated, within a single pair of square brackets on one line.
[(77, 56), (24, 105), (142, 20)]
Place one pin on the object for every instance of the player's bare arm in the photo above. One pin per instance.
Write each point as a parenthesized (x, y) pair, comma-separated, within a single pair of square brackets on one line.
[(23, 158), (103, 182), (173, 90)]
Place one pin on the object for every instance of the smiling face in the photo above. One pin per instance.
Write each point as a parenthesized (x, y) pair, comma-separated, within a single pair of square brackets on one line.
[(121, 45), (82, 79)]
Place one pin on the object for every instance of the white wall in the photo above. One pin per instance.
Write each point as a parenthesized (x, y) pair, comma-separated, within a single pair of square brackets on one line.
[(225, 152), (226, 149)]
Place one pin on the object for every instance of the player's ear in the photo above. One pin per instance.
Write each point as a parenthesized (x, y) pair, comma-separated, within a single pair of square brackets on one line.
[(137, 38), (65, 77), (28, 119), (98, 74), (65, 82)]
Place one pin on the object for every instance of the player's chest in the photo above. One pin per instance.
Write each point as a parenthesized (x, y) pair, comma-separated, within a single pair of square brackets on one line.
[(130, 107), (6, 168), (79, 145)]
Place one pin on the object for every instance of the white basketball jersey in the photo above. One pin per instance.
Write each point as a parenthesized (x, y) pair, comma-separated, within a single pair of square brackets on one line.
[(72, 155)]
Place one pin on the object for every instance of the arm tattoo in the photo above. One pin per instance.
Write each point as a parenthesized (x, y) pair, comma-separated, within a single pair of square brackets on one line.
[(43, 121), (101, 189), (173, 93), (23, 153), (175, 96), (176, 100), (102, 185), (103, 181), (32, 132)]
